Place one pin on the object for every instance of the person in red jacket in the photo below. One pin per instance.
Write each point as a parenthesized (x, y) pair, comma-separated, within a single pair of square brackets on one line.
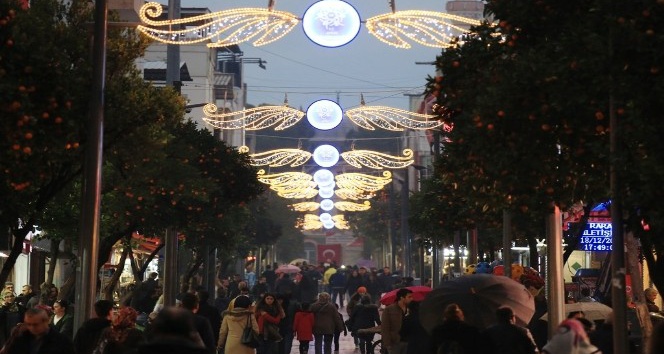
[(268, 315), (303, 327)]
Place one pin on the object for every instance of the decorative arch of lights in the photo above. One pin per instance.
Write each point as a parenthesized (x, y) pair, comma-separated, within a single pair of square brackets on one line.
[(357, 158), (263, 26)]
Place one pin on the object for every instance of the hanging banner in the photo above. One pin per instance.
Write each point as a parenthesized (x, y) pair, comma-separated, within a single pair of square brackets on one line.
[(329, 253)]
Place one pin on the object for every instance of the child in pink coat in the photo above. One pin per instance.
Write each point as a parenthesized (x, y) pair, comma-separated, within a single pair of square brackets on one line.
[(302, 327)]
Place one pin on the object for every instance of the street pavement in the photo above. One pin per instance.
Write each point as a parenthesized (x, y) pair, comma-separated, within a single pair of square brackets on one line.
[(346, 344)]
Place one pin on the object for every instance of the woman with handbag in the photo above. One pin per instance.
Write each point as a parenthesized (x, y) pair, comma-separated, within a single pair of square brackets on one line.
[(236, 323), (268, 315)]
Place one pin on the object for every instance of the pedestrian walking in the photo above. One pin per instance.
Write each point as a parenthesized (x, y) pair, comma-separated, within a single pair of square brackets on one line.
[(62, 320), (338, 285), (392, 320), (122, 337), (570, 337), (88, 334), (190, 303), (365, 315), (508, 338), (233, 325), (353, 301), (173, 332), (454, 335), (354, 282), (35, 336), (417, 337), (303, 327), (337, 333), (326, 323), (290, 306), (268, 315), (210, 312)]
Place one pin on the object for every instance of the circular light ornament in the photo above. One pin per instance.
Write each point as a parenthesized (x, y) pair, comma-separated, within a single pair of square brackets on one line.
[(328, 224), (326, 204), (324, 114), (331, 23), (323, 178), (326, 192), (325, 217), (326, 156)]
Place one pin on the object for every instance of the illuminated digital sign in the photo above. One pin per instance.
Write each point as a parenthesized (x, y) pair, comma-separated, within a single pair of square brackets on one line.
[(331, 23), (597, 236)]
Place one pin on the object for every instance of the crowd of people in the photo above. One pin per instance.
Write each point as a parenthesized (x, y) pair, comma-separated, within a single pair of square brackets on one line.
[(276, 309)]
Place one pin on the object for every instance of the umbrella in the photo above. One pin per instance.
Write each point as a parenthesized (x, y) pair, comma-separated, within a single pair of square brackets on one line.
[(287, 268), (419, 292), (366, 263), (479, 296), (298, 260), (592, 310)]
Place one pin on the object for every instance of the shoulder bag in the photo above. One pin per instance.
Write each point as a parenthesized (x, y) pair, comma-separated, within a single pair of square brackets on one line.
[(249, 336)]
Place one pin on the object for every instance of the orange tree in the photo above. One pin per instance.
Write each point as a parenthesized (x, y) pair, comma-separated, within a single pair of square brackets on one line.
[(531, 99)]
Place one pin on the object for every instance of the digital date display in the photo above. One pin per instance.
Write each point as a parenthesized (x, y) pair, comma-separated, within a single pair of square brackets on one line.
[(597, 236)]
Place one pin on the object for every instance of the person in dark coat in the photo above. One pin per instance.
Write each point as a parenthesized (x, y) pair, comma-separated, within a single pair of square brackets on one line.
[(36, 331), (270, 277), (173, 332), (419, 341), (508, 338), (62, 320), (210, 312), (353, 282), (373, 286), (88, 335), (260, 288), (365, 315), (122, 337), (284, 285), (326, 323), (11, 314), (290, 306), (203, 327), (338, 285), (455, 333)]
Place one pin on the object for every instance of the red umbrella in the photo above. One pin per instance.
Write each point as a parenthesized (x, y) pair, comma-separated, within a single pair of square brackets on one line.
[(288, 269), (419, 292)]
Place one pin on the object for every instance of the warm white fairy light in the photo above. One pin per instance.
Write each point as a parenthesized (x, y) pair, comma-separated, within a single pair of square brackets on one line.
[(283, 178), (278, 157), (378, 160), (223, 28), (340, 222), (353, 194), (254, 118), (351, 206), (363, 182), (306, 206), (393, 119), (428, 28), (304, 193)]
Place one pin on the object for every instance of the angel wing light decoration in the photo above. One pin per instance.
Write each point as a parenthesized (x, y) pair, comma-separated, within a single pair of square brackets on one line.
[(389, 118), (363, 182), (278, 157), (254, 118), (377, 160), (351, 206), (228, 27)]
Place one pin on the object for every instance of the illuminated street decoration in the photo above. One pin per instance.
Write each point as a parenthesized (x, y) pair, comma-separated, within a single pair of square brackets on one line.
[(326, 192), (389, 118), (326, 156), (254, 118), (353, 194), (328, 224), (264, 26), (324, 114), (309, 222), (278, 157), (428, 28), (351, 206), (325, 217), (331, 23), (340, 222), (323, 177), (377, 160), (327, 204), (306, 206), (283, 178), (304, 193), (228, 27), (363, 182)]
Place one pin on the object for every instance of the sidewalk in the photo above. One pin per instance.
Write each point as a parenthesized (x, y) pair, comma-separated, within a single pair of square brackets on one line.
[(346, 344)]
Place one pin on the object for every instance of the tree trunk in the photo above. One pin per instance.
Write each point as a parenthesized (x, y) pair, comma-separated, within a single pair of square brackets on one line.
[(55, 254), (107, 291), (17, 248), (634, 267), (68, 285)]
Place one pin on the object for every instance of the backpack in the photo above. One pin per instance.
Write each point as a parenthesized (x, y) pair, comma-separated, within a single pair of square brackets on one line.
[(450, 347)]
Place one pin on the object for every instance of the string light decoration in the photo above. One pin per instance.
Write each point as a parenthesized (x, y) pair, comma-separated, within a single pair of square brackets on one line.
[(304, 193), (428, 28), (353, 194), (253, 118), (309, 222), (284, 178), (351, 206), (378, 160), (278, 157), (363, 182), (229, 27), (264, 26), (306, 206), (340, 222), (388, 118)]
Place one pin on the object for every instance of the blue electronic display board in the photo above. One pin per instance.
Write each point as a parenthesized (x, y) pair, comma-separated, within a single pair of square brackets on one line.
[(597, 236)]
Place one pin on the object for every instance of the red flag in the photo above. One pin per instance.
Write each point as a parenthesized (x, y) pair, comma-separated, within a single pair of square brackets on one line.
[(329, 253)]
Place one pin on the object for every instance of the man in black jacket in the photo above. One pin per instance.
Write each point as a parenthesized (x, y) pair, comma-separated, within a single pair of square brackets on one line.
[(508, 338), (36, 336), (190, 302), (87, 336)]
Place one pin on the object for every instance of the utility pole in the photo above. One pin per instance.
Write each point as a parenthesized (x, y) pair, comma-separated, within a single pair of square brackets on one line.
[(88, 247)]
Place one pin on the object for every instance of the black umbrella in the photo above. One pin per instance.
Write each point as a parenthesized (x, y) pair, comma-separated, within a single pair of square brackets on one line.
[(479, 296)]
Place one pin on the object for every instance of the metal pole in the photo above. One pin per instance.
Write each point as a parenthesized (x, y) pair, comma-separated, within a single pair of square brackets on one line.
[(507, 242), (554, 242), (88, 247), (405, 230), (472, 246), (170, 267), (392, 231)]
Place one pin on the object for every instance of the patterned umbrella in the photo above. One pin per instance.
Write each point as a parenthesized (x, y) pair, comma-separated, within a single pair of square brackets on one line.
[(288, 269)]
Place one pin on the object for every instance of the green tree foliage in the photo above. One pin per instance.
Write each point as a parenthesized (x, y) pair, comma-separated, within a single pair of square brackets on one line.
[(530, 99)]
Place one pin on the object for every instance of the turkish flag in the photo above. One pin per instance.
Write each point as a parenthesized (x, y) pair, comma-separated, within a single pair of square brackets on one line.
[(329, 253)]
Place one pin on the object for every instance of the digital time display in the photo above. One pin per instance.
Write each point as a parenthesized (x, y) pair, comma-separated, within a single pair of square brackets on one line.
[(597, 236)]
